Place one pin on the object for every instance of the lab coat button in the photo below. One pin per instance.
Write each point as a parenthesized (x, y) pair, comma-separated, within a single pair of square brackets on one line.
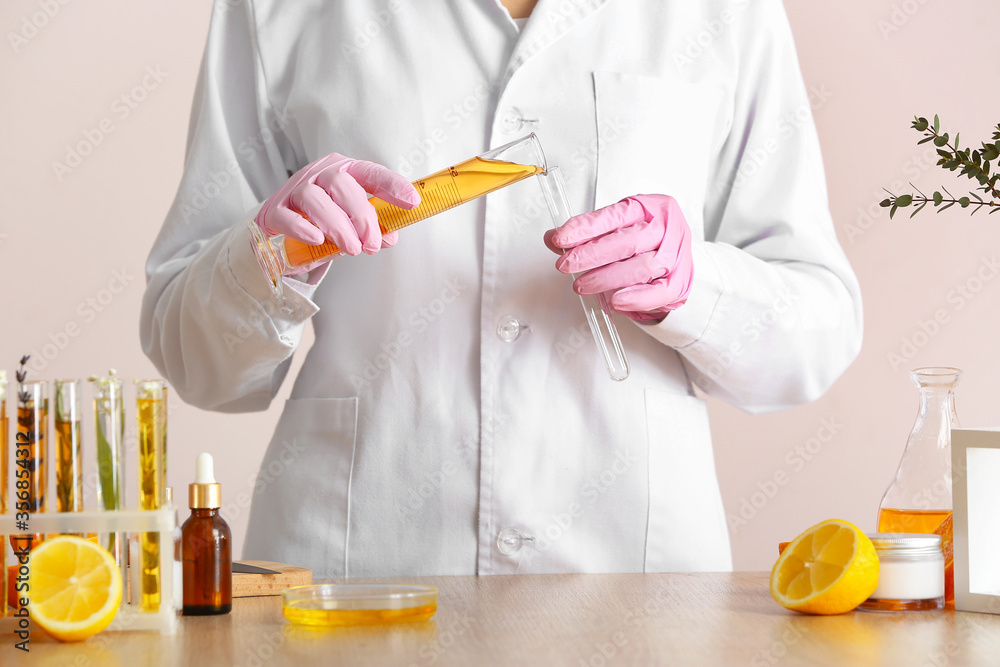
[(509, 328), (510, 540), (513, 120)]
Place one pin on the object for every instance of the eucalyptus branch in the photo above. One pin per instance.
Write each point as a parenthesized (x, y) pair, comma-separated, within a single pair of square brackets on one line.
[(903, 201), (975, 164)]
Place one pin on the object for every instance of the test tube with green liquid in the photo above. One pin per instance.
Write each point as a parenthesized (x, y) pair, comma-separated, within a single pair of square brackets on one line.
[(109, 432), (151, 414)]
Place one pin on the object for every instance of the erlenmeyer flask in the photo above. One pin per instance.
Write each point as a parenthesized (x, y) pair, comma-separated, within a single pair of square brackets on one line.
[(919, 498)]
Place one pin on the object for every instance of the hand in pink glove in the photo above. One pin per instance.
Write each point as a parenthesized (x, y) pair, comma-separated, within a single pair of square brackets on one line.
[(328, 200), (638, 249)]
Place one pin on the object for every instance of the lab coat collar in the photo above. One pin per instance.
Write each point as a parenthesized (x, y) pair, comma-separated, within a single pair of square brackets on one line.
[(550, 20)]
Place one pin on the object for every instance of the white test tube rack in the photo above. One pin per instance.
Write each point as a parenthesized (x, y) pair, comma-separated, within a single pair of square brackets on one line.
[(123, 522)]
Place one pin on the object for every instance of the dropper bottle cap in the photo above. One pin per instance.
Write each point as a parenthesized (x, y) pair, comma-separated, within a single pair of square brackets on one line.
[(205, 492)]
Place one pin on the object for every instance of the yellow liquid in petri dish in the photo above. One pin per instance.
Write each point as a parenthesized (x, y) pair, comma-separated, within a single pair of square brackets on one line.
[(307, 612), (439, 192)]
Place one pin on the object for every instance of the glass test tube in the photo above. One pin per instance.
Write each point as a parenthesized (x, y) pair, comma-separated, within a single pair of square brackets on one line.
[(69, 459), (595, 306), (31, 447), (151, 414), (109, 432), (4, 471), (439, 192)]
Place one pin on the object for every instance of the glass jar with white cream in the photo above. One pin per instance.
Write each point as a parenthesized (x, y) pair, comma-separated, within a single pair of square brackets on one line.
[(911, 573)]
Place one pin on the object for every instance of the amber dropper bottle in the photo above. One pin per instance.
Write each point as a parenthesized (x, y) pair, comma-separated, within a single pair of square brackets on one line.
[(206, 547)]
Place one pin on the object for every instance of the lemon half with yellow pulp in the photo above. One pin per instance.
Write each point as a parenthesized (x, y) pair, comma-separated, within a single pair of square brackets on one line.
[(829, 569), (75, 587)]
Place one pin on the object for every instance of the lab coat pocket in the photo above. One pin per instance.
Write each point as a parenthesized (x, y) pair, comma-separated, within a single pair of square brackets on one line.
[(301, 500), (656, 136), (687, 524)]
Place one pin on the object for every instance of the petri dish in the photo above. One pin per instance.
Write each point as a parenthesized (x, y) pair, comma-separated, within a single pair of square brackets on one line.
[(338, 605)]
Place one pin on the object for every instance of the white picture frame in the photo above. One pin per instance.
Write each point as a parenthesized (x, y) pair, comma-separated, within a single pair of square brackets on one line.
[(975, 464)]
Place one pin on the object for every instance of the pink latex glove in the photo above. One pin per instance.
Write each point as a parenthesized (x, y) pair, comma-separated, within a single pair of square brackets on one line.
[(328, 200), (638, 250)]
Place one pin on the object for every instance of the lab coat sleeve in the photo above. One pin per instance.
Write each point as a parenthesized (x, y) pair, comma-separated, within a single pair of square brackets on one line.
[(209, 321), (774, 314)]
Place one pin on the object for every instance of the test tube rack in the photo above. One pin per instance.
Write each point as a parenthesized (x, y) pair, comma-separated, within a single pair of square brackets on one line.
[(124, 522)]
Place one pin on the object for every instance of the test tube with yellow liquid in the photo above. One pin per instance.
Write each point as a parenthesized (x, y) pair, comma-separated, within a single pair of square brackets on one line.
[(69, 458), (151, 414), (31, 443), (4, 471), (440, 191)]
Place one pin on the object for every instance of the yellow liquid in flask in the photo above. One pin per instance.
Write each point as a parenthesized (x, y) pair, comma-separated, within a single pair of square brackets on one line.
[(892, 520)]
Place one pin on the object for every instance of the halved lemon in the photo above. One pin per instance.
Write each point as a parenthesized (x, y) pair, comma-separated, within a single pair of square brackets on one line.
[(74, 586), (829, 569)]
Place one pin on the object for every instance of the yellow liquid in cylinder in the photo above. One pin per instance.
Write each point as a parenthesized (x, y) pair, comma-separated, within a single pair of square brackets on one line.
[(304, 615), (438, 192), (910, 521)]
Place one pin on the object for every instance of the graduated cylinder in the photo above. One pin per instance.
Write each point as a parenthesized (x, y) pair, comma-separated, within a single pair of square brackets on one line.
[(440, 191)]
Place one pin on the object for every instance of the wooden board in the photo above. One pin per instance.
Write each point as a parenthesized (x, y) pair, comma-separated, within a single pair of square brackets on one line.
[(254, 585)]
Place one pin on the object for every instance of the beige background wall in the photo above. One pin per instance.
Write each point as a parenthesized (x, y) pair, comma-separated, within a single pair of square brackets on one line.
[(72, 245)]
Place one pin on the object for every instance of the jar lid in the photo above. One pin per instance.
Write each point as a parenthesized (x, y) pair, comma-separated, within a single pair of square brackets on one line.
[(905, 544)]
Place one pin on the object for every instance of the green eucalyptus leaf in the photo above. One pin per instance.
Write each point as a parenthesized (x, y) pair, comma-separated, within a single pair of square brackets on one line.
[(892, 211), (904, 200), (964, 201), (938, 198), (885, 203), (937, 124), (940, 141)]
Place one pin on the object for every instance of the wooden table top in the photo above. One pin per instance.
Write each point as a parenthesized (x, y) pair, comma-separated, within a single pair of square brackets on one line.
[(579, 620)]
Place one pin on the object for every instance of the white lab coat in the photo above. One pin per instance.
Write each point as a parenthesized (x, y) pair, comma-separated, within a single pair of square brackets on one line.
[(414, 435)]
